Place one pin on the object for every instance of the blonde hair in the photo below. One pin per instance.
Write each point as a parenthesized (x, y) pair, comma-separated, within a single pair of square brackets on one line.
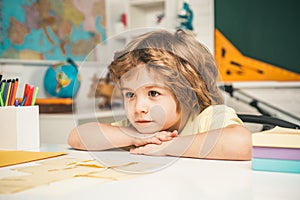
[(188, 68)]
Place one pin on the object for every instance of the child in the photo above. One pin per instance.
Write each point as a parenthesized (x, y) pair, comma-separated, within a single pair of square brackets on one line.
[(172, 103)]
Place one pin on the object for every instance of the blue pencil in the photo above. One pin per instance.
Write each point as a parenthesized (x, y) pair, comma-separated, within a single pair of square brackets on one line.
[(23, 101)]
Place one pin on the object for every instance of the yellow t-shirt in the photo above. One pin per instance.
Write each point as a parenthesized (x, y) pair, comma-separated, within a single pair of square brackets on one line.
[(213, 117)]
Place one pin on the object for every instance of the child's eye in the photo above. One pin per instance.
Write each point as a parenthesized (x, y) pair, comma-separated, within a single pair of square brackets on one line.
[(153, 93), (129, 95)]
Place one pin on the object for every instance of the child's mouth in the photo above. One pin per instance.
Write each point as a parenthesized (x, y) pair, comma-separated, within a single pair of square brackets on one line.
[(142, 121)]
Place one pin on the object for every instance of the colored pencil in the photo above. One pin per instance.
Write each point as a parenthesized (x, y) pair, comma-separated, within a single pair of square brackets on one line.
[(36, 90), (29, 96), (14, 92), (25, 93), (2, 86), (1, 99), (7, 92), (11, 92)]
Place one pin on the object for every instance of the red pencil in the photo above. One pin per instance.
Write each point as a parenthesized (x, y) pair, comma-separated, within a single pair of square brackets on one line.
[(13, 92), (29, 96), (25, 93)]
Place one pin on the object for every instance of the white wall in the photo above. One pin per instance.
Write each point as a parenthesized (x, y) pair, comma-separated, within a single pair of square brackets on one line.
[(204, 21)]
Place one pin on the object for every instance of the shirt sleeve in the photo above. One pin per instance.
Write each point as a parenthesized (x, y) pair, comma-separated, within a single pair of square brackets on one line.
[(218, 116)]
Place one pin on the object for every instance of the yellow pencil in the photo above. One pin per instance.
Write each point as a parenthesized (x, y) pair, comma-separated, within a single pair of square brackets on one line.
[(8, 94)]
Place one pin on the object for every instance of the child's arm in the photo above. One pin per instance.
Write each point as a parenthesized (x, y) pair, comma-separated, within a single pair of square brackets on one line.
[(99, 136), (230, 143)]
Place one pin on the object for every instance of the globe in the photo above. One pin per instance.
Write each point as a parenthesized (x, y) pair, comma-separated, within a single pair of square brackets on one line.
[(62, 80)]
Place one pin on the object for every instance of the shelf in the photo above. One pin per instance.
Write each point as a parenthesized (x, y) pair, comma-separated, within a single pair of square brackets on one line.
[(146, 3), (143, 13), (85, 115)]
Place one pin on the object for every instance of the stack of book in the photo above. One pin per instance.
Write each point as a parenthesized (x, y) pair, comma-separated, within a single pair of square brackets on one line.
[(276, 150)]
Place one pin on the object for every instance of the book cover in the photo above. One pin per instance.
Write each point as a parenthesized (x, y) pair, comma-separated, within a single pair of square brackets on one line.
[(276, 153), (275, 165), (277, 137)]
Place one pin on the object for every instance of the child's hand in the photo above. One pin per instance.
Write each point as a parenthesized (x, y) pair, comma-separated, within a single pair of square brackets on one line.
[(156, 138), (165, 136), (151, 149)]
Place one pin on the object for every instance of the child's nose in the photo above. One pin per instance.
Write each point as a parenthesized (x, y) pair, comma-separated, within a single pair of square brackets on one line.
[(141, 105)]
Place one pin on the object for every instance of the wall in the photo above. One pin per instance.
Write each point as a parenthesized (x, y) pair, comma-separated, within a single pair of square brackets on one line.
[(32, 72)]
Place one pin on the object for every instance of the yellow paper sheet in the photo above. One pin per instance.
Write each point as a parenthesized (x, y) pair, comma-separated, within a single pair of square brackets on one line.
[(64, 168), (8, 158)]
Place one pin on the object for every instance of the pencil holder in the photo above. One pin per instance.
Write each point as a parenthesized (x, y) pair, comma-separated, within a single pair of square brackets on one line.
[(19, 127)]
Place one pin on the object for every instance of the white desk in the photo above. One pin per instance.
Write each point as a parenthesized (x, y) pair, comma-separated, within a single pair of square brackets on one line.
[(182, 179)]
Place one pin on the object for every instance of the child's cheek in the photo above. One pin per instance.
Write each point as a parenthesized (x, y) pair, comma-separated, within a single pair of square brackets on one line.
[(158, 113)]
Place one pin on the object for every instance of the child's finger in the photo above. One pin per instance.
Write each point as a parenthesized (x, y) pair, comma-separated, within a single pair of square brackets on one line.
[(155, 140), (169, 134), (143, 141), (165, 136), (173, 133)]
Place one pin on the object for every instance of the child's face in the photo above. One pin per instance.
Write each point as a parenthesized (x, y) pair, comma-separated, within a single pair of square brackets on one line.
[(150, 106)]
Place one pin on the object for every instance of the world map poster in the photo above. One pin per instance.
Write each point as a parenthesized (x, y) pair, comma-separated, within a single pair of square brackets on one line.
[(51, 29)]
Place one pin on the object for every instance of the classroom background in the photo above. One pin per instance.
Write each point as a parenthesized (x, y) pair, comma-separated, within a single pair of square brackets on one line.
[(255, 43)]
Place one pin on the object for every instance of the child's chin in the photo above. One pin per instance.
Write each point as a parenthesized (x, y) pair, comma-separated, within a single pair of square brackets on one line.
[(148, 130)]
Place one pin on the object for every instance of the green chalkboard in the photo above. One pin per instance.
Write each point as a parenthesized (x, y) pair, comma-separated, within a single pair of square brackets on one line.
[(267, 30)]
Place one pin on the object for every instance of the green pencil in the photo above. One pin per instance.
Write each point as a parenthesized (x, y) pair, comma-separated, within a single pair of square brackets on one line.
[(36, 91), (1, 100), (2, 86)]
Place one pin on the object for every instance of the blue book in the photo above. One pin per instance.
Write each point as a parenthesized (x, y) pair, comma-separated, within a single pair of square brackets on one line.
[(276, 165)]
